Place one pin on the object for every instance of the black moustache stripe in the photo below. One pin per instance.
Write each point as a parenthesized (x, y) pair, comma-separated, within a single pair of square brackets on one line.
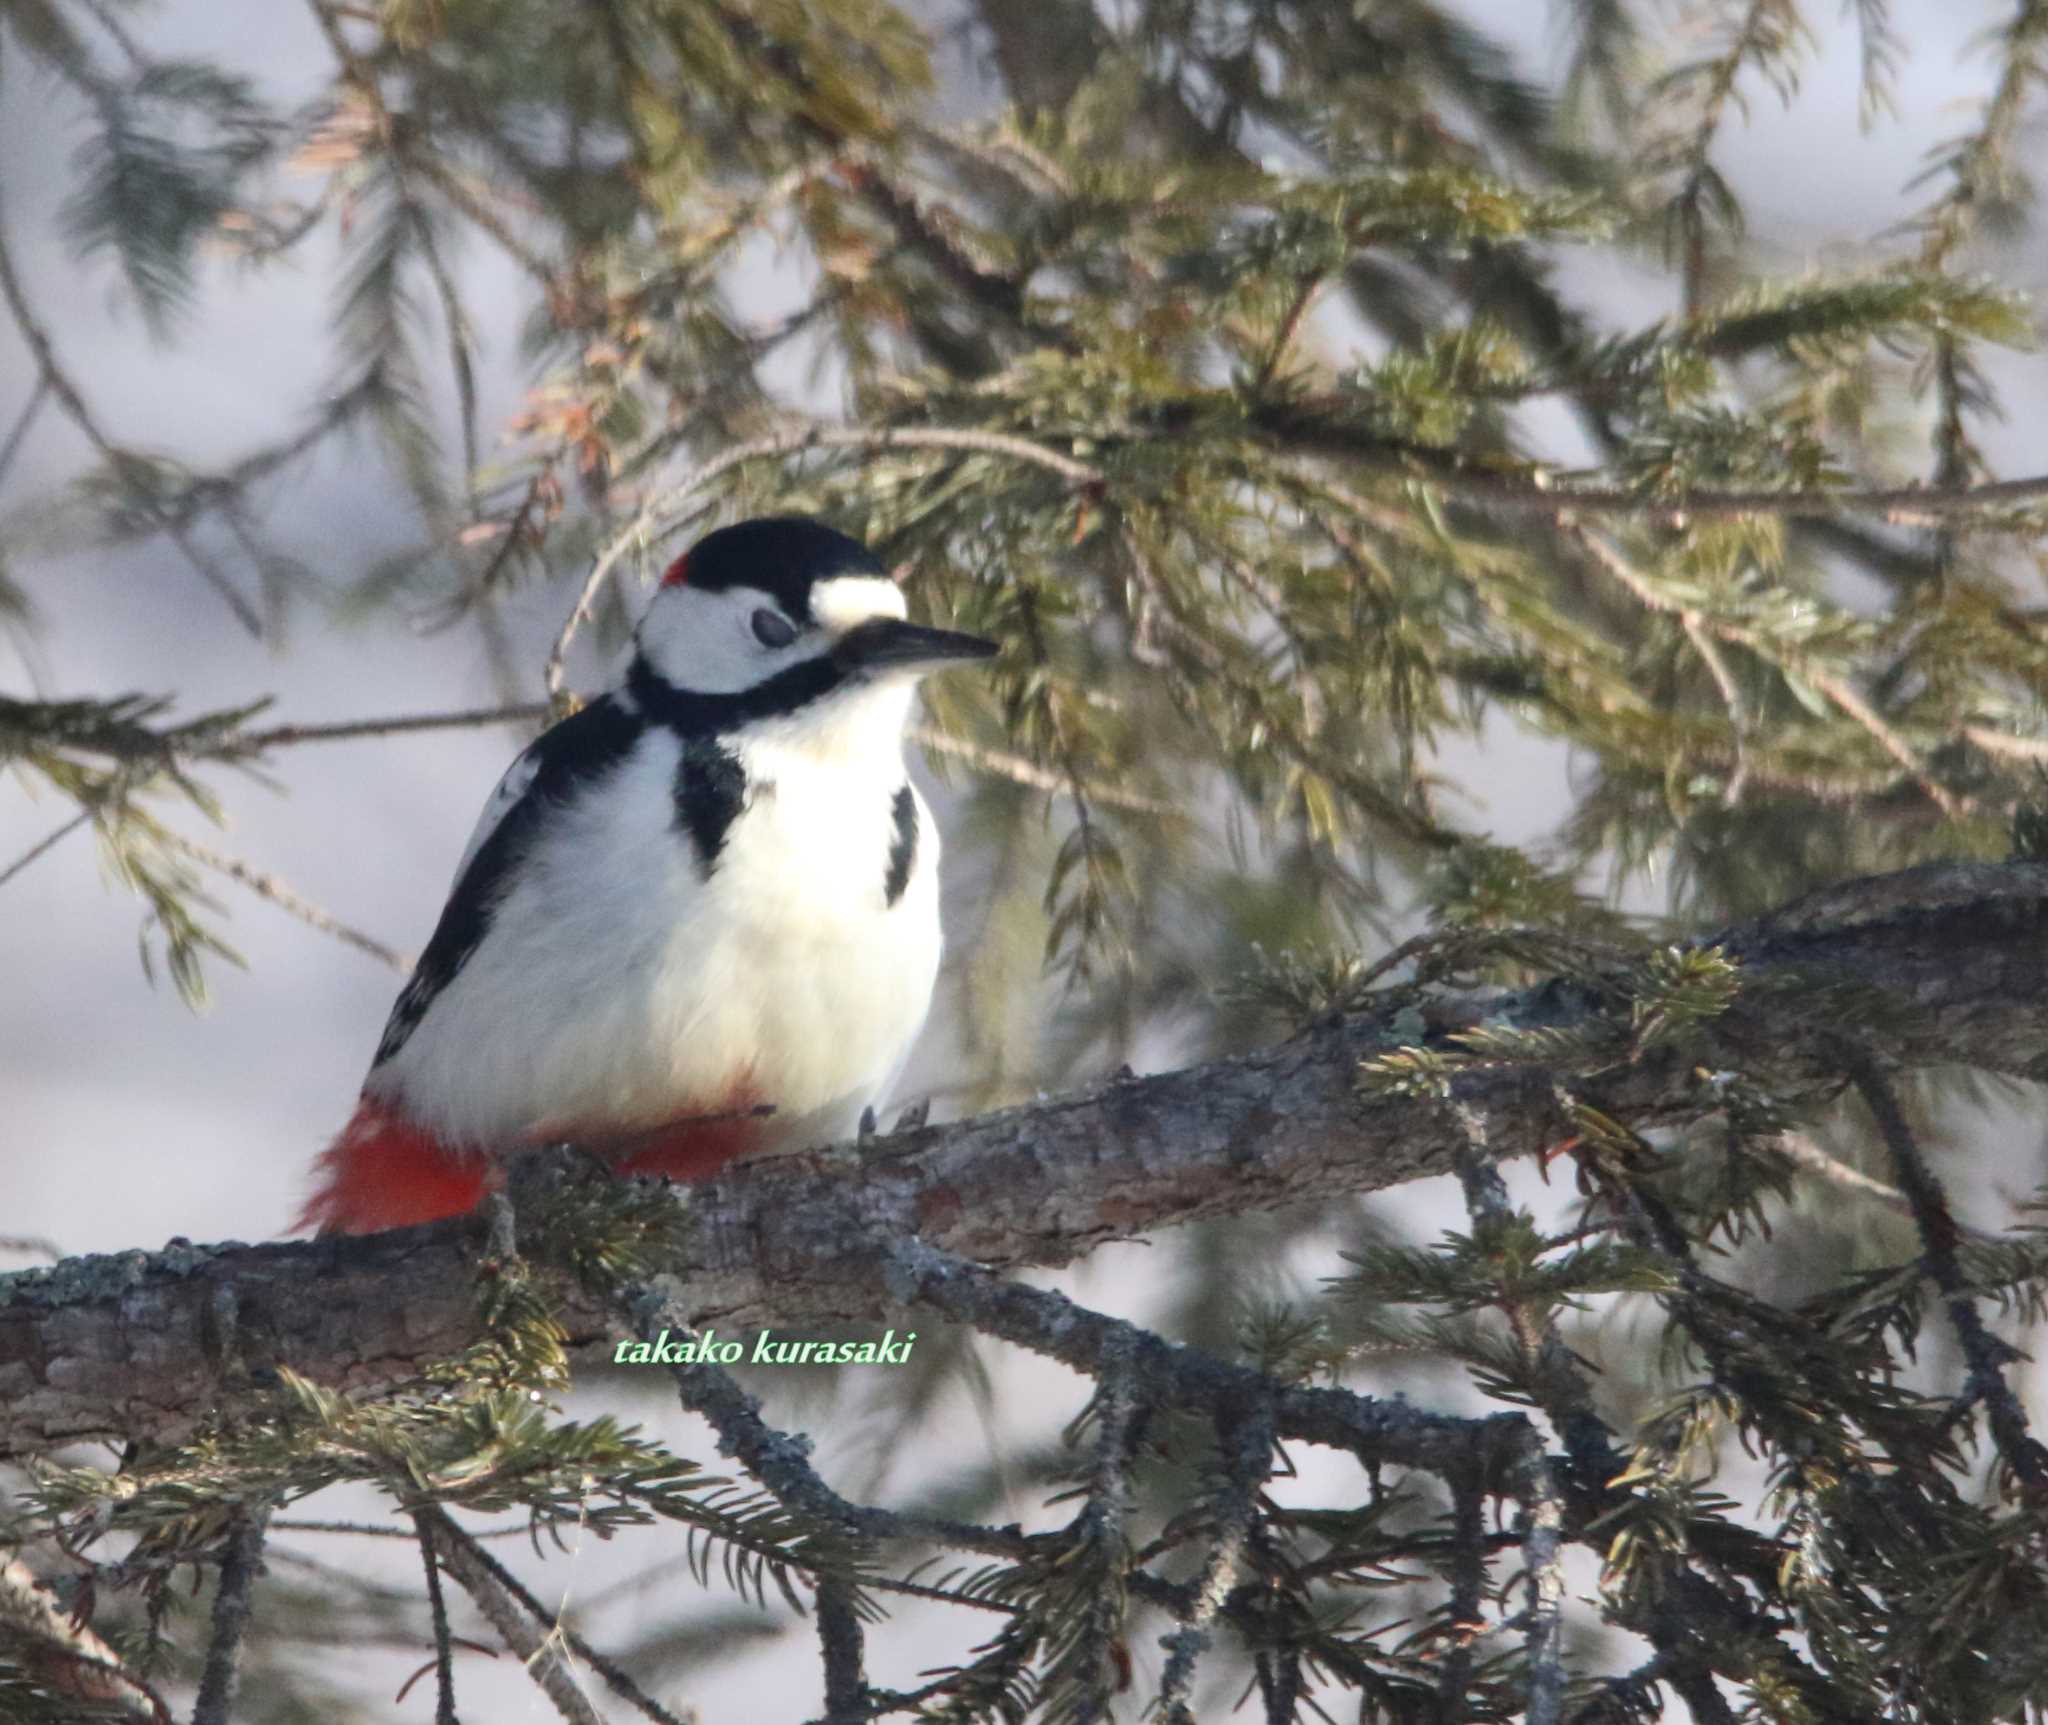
[(691, 714)]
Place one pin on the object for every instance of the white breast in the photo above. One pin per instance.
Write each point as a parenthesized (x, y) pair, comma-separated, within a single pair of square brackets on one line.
[(620, 988)]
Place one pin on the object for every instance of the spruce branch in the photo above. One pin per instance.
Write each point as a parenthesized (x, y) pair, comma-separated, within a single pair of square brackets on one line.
[(1086, 1660), (842, 1645), (241, 1563), (540, 1653), (270, 887), (78, 1663), (995, 763), (1834, 687), (122, 464), (350, 730), (658, 517), (437, 1608), (1987, 1355), (24, 422), (1543, 1531), (1244, 1441), (1767, 36), (1491, 488), (1938, 960), (1001, 764), (1463, 1616), (780, 1460), (48, 842), (613, 1674), (1809, 1157), (1565, 1398), (1166, 1373)]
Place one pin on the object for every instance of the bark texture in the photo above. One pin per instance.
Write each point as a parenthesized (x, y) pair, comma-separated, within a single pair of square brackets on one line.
[(1928, 967)]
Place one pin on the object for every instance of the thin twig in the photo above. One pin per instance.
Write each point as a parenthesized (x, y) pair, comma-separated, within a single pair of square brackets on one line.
[(1289, 327), (778, 1460), (437, 1606), (1543, 1537), (404, 157), (1047, 1322), (1511, 493), (110, 21), (1835, 688), (241, 1564), (636, 533), (1997, 742), (481, 207), (1810, 1158), (541, 1654), (1546, 1359), (843, 1648), (1245, 1442), (1099, 1530), (371, 1530), (998, 763), (657, 516), (27, 417), (613, 1674), (347, 730), (73, 405), (268, 886), (93, 1671), (48, 841), (1987, 1355)]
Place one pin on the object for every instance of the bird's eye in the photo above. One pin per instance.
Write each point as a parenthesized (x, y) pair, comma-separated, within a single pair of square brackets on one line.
[(772, 629)]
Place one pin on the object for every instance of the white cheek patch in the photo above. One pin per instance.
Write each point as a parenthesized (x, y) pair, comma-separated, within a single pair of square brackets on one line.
[(705, 641), (701, 640), (845, 601)]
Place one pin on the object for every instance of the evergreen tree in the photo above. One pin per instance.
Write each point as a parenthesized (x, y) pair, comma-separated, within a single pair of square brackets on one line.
[(1234, 363)]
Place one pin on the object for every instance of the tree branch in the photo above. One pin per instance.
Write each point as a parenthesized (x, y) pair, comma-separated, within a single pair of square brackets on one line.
[(659, 515), (843, 1647), (73, 1658), (269, 886), (540, 1653), (241, 1564), (1940, 965), (437, 1608), (1988, 1356)]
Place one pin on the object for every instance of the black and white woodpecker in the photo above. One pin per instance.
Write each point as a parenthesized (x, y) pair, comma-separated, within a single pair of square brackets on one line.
[(697, 919)]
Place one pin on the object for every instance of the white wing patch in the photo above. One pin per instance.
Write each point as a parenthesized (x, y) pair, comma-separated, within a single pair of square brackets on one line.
[(518, 777)]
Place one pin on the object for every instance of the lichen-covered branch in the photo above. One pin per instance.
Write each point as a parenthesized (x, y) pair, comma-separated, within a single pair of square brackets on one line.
[(1940, 965)]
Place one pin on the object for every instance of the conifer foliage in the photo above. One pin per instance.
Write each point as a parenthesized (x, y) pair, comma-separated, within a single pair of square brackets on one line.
[(1247, 369)]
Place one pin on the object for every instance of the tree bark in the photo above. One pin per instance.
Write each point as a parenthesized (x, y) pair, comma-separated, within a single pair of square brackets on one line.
[(1942, 965)]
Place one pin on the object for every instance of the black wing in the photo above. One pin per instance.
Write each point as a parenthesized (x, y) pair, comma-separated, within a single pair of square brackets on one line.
[(577, 752)]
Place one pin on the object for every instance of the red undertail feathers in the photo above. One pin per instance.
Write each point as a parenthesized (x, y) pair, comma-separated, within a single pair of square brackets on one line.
[(383, 1171)]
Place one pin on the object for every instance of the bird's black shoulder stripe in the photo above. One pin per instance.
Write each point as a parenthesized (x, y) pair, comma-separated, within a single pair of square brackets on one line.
[(577, 752), (710, 791), (903, 847)]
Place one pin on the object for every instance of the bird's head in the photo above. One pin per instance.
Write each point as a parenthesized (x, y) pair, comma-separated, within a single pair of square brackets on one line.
[(787, 625)]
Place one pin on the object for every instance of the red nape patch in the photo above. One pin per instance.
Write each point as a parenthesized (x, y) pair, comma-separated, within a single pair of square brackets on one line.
[(385, 1172), (678, 572)]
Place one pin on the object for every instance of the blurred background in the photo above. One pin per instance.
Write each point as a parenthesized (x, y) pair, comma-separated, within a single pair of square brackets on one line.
[(360, 580)]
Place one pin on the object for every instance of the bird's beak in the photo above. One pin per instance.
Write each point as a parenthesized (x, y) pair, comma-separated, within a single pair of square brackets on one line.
[(886, 644)]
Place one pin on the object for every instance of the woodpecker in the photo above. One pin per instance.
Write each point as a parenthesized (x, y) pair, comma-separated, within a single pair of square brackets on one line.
[(697, 919)]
